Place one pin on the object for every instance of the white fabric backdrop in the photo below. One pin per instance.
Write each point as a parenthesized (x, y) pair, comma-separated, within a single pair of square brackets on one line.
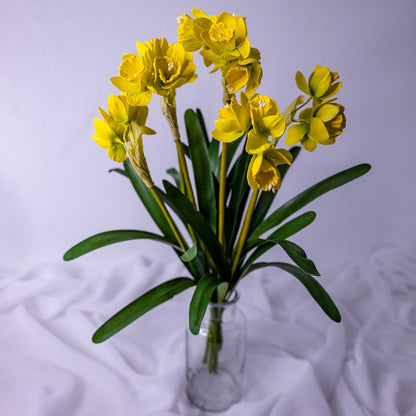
[(298, 361)]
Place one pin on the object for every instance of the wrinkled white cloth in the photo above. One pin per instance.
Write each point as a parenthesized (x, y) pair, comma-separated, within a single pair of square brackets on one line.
[(298, 361)]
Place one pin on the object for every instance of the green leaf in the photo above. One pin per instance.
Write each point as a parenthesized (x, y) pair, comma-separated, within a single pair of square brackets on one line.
[(238, 187), (190, 254), (214, 159), (309, 195), (111, 237), (173, 172), (189, 215), (312, 286), (140, 306), (294, 226), (201, 167), (199, 302), (283, 232), (296, 253), (149, 202), (267, 197), (120, 171), (202, 124)]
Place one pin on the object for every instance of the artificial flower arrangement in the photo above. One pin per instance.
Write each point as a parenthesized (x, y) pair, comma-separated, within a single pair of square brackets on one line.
[(227, 225)]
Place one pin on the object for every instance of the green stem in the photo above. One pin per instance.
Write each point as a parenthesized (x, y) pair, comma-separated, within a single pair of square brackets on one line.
[(244, 231), (168, 217), (184, 170), (221, 202)]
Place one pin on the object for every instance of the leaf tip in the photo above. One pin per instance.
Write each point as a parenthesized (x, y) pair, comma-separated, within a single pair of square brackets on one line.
[(96, 339), (337, 318), (67, 256), (194, 329)]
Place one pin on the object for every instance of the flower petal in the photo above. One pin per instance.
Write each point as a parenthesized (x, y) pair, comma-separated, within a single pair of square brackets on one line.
[(308, 144), (301, 83), (317, 130), (295, 133), (320, 81), (117, 152), (257, 143), (123, 85), (327, 112), (117, 109)]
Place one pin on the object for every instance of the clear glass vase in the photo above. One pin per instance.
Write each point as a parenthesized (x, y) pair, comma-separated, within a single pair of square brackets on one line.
[(215, 357)]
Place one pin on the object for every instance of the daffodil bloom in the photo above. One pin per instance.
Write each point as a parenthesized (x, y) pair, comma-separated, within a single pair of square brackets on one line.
[(222, 38), (172, 66), (110, 137), (112, 133), (189, 29), (244, 73), (266, 121), (234, 120), (320, 125), (263, 173), (132, 80), (121, 112), (321, 83)]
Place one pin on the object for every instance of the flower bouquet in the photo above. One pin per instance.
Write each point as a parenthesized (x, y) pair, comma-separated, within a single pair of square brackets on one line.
[(224, 187)]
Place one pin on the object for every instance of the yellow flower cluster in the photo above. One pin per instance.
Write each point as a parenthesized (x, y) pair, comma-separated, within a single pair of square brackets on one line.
[(120, 132), (159, 67), (325, 120), (223, 42), (259, 117)]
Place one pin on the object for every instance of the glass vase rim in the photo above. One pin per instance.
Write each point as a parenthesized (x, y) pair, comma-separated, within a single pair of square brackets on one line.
[(235, 297)]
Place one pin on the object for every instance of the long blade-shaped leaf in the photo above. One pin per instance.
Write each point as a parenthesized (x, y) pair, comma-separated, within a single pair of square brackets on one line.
[(140, 306), (294, 226), (296, 253), (285, 231), (149, 202), (267, 197), (214, 160), (200, 162), (200, 299), (112, 237), (189, 215), (309, 195), (202, 124), (239, 188), (313, 287)]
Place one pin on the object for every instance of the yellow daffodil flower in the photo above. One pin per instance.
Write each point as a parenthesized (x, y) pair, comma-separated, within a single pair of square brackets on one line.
[(262, 172), (244, 73), (132, 80), (227, 37), (172, 66), (222, 38), (234, 120), (112, 133), (266, 122), (110, 137), (189, 29), (321, 83), (320, 125)]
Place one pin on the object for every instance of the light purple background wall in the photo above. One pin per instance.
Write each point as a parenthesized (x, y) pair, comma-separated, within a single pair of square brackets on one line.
[(56, 61)]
